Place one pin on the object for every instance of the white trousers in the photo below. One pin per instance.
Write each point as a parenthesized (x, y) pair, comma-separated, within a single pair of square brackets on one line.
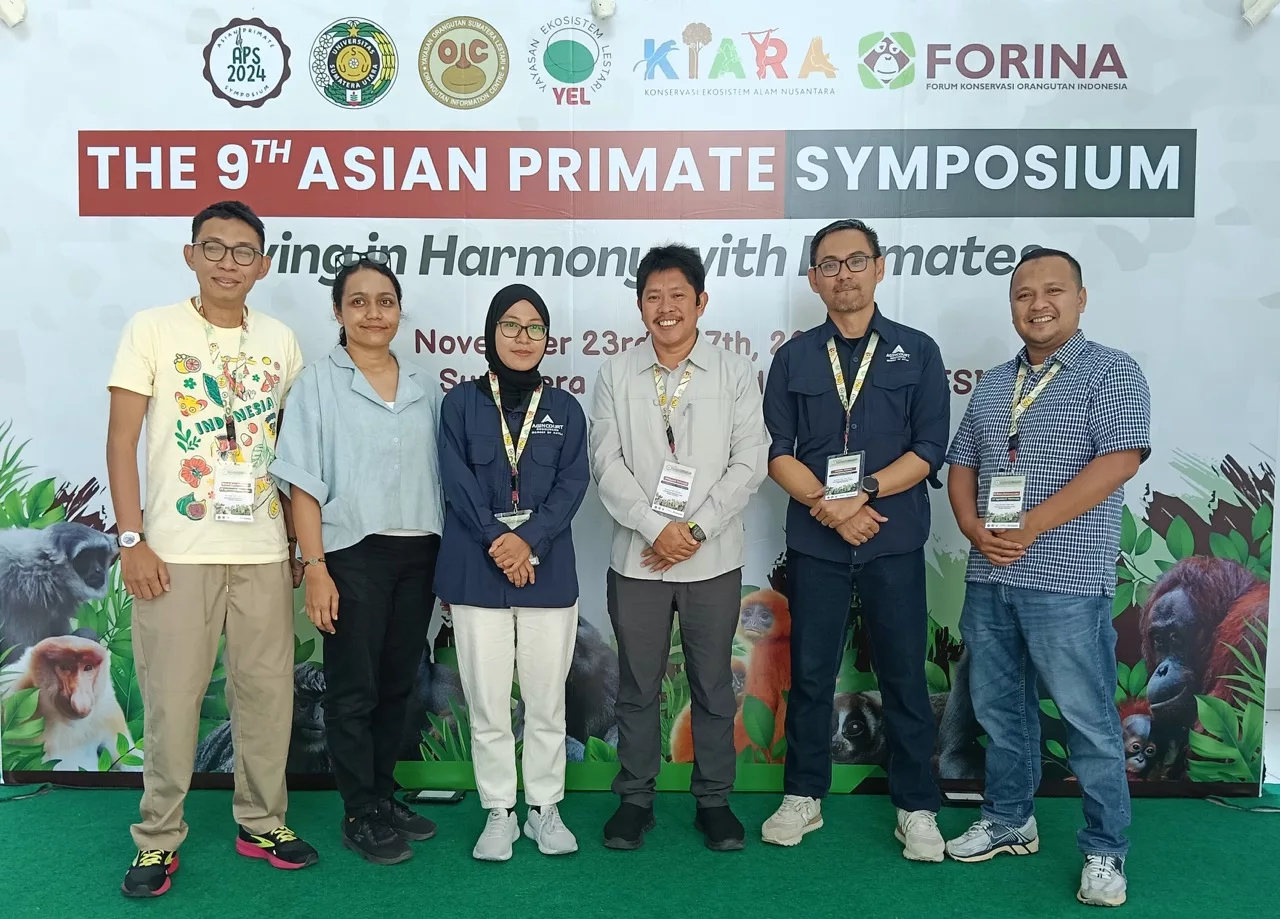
[(488, 653)]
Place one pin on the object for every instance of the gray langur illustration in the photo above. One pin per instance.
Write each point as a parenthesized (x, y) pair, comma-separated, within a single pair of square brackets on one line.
[(44, 577), (959, 754)]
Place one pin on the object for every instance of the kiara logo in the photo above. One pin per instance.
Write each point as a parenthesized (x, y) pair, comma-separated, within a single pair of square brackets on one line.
[(886, 61), (768, 48)]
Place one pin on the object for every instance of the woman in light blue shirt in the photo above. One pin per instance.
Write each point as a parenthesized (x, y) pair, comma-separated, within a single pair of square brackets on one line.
[(357, 456)]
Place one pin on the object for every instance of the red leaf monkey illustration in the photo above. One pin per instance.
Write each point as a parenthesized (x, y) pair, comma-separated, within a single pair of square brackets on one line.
[(765, 623)]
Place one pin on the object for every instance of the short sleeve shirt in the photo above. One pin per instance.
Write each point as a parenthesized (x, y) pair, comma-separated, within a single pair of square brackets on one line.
[(1099, 403), (165, 354)]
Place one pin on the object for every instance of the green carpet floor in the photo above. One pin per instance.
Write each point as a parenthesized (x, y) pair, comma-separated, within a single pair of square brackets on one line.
[(62, 854)]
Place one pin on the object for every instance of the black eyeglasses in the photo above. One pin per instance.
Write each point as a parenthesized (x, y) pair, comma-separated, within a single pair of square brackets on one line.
[(373, 257), (830, 267), (214, 251), (536, 331)]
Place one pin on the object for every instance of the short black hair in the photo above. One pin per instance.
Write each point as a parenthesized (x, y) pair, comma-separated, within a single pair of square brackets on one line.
[(1035, 254), (230, 210), (340, 285), (848, 223), (673, 255)]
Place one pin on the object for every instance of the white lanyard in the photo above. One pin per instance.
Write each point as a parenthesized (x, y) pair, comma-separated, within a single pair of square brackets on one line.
[(848, 398), (514, 450)]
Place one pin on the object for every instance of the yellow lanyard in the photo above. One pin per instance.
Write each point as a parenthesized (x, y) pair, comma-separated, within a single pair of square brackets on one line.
[(225, 380), (514, 450), (848, 398), (1021, 403), (660, 384)]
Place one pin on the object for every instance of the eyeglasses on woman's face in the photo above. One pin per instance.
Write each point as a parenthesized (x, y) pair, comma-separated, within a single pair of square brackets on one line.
[(510, 329), (372, 257)]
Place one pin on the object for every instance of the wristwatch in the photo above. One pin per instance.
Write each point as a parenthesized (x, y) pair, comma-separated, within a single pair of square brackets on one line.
[(129, 539), (534, 561), (696, 532), (871, 487)]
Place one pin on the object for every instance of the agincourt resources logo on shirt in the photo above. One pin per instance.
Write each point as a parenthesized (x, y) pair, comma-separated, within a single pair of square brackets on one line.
[(354, 63), (463, 62), (548, 426), (569, 56), (246, 62)]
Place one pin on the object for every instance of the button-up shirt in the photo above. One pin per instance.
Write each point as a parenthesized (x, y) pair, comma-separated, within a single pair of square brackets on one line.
[(1098, 403), (904, 406), (372, 467), (553, 479), (719, 431)]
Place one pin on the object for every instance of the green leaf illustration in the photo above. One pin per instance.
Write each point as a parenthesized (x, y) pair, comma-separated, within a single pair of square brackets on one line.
[(1240, 543), (1051, 709), (104, 760), (1138, 679), (936, 678), (600, 752), (1123, 573), (779, 751), (211, 390), (20, 707), (758, 720), (1222, 547), (1179, 539), (1128, 531), (1144, 542), (1056, 749), (1123, 599), (302, 650), (1262, 522)]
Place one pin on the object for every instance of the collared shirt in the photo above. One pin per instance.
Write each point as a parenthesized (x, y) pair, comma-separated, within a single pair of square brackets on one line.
[(719, 431), (165, 354), (904, 407), (553, 479), (371, 467), (1098, 403)]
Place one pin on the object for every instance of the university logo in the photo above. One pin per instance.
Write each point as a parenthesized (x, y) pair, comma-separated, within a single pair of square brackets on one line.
[(354, 63), (768, 52), (570, 58), (463, 62), (886, 60), (246, 62)]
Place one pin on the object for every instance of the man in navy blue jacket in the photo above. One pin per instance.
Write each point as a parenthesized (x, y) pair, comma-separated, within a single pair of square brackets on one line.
[(858, 411)]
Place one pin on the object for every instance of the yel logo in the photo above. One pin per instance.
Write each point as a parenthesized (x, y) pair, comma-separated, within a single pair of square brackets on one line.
[(463, 62), (246, 62), (354, 63), (886, 61), (572, 54)]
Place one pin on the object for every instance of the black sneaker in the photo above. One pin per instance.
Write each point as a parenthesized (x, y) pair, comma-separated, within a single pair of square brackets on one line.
[(723, 831), (148, 876), (281, 848), (408, 823), (374, 841), (627, 826)]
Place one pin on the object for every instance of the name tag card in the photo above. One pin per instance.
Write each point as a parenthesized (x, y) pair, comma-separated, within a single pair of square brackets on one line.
[(1006, 502), (233, 492), (675, 485), (513, 519), (844, 475)]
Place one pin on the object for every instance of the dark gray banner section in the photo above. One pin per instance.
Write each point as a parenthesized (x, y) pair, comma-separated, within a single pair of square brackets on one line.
[(972, 172)]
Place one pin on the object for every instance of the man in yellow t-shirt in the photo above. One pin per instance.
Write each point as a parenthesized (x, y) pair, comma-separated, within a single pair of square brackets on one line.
[(213, 552)]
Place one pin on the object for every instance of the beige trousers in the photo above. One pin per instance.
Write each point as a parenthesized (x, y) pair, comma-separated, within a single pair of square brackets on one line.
[(175, 643)]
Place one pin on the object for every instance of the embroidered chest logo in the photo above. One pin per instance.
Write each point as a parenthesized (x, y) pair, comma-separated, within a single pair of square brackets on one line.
[(897, 354), (547, 425)]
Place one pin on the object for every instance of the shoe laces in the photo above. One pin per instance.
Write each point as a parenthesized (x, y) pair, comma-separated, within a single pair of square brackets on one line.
[(497, 825), (282, 834), (920, 820), (981, 828), (150, 858), (551, 822), (795, 804), (1101, 867)]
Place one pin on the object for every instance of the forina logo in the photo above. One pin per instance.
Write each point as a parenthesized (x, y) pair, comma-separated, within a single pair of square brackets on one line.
[(1024, 67), (886, 61), (772, 57)]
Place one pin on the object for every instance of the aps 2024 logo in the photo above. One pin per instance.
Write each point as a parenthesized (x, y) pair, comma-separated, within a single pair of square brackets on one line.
[(246, 62)]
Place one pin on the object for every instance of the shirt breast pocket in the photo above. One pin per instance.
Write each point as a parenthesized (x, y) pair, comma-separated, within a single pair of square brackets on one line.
[(819, 417), (893, 389), (538, 476)]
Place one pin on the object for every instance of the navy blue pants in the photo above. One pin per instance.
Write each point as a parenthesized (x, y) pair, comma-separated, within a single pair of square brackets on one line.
[(894, 611)]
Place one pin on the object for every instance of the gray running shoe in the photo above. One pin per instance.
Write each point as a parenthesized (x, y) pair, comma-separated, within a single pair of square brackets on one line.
[(1102, 882), (985, 840)]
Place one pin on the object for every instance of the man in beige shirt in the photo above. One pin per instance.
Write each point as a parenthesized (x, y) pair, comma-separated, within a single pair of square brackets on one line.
[(678, 446)]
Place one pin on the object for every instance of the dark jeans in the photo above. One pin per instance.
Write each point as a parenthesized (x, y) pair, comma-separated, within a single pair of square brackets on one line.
[(1015, 635), (641, 613), (384, 609), (891, 590)]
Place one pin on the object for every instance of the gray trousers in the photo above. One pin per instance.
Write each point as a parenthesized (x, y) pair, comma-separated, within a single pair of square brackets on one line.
[(641, 612)]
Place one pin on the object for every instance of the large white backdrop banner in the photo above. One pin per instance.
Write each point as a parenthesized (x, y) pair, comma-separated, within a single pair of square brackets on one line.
[(501, 140)]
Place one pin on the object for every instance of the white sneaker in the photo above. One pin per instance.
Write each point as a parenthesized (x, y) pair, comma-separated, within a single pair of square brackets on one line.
[(1102, 882), (549, 832), (918, 833), (500, 832), (790, 822)]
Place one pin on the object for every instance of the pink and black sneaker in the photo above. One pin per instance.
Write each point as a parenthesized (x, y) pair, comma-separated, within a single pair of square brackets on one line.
[(148, 876), (281, 848)]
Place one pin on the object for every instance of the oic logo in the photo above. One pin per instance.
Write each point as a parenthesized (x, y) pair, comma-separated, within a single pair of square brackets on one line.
[(886, 60)]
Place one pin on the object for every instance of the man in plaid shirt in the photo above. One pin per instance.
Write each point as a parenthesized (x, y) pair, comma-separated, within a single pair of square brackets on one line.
[(1060, 428)]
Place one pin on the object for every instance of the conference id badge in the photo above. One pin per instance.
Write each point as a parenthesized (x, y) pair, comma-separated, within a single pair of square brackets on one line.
[(1005, 502), (844, 476), (233, 492), (675, 485), (513, 519)]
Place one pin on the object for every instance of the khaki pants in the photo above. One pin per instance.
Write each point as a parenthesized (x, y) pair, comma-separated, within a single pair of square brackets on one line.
[(175, 642)]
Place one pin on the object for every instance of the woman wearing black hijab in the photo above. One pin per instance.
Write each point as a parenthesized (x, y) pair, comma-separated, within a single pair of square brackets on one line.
[(513, 462)]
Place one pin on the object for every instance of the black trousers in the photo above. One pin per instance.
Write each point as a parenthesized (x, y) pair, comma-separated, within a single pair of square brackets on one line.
[(891, 589), (384, 609)]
